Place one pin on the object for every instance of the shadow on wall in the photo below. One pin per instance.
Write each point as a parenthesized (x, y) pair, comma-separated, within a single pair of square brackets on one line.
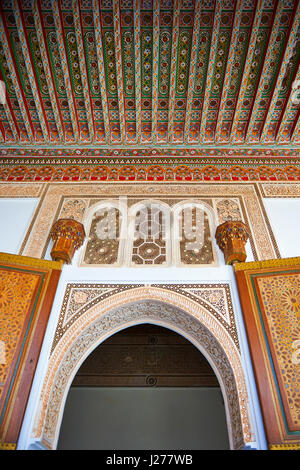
[(144, 418)]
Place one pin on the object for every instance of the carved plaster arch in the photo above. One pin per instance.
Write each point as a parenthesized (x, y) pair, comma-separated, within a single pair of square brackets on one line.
[(144, 305)]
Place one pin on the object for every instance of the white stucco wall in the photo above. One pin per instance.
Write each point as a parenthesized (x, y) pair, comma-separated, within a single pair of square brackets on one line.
[(284, 217), (15, 216)]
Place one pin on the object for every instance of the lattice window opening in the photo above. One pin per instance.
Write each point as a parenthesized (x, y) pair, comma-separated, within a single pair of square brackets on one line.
[(193, 235), (149, 235), (104, 245), (228, 210)]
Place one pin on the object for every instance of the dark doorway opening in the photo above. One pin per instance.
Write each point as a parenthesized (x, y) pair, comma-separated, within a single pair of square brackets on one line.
[(145, 387)]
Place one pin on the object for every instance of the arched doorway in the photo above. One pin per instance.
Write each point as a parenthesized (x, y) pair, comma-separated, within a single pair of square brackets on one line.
[(142, 304), (145, 387)]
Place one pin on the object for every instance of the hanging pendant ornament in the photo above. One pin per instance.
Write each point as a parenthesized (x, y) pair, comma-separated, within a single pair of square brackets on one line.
[(231, 238), (68, 235)]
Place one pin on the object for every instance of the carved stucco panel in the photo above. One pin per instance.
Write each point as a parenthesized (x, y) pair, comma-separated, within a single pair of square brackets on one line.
[(50, 206), (280, 189), (20, 189), (140, 305)]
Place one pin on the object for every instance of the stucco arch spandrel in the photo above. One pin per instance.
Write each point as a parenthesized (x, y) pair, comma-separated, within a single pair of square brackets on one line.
[(144, 305)]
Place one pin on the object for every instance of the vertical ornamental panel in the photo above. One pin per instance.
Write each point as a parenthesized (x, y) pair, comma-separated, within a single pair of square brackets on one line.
[(270, 299), (27, 289)]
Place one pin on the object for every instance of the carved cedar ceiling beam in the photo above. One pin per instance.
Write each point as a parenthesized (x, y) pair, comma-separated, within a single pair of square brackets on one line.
[(174, 53), (214, 67), (83, 68), (28, 58), (119, 69), (289, 115), (99, 88), (63, 40), (238, 125), (150, 72), (137, 68), (284, 78), (47, 73), (232, 66), (253, 126), (188, 135), (12, 72)]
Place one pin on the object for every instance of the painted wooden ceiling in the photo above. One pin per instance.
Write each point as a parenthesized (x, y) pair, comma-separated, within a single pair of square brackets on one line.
[(150, 72)]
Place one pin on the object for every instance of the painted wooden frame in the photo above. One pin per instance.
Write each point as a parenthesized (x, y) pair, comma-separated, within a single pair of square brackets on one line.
[(270, 299), (27, 290)]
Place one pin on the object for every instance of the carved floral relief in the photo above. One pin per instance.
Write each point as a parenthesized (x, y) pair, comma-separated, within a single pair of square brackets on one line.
[(90, 313)]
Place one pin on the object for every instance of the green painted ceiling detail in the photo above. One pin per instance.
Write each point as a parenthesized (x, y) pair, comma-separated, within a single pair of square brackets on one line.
[(227, 80)]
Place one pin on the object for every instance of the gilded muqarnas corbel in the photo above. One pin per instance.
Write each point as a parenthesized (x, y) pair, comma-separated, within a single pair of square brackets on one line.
[(231, 237), (29, 261), (68, 235)]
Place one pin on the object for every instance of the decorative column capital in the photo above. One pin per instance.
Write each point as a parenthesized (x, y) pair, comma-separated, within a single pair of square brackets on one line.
[(68, 235), (231, 237)]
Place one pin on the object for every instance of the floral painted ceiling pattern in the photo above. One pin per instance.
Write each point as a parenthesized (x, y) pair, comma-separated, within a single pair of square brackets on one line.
[(154, 72)]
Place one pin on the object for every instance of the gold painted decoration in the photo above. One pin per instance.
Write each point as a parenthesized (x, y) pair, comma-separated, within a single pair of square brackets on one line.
[(104, 237), (7, 446), (59, 201), (268, 263), (17, 289), (27, 289), (231, 237), (270, 299), (149, 241), (280, 296), (195, 241), (114, 73)]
